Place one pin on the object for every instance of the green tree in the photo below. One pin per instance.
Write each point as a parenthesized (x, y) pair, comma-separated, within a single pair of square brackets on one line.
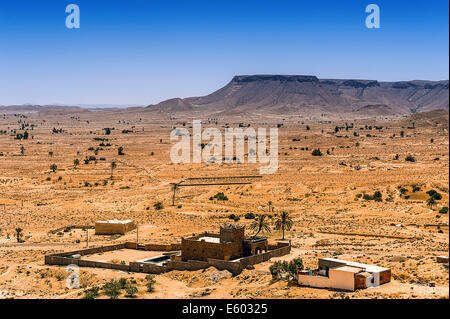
[(76, 162), (430, 202), (113, 167), (19, 232), (260, 225), (294, 267), (174, 187), (284, 222)]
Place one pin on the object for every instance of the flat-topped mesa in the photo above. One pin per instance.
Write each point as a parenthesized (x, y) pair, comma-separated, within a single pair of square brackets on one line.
[(361, 83), (280, 78)]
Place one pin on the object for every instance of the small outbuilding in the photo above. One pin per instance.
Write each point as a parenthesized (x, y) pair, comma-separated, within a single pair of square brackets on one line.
[(114, 227), (345, 275), (442, 259)]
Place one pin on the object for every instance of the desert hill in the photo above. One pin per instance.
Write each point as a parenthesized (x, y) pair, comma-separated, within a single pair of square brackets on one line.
[(303, 94)]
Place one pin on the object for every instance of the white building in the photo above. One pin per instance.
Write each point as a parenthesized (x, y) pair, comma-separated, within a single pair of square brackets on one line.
[(345, 275)]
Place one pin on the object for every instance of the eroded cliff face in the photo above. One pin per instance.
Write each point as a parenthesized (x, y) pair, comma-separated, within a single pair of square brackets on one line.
[(306, 94)]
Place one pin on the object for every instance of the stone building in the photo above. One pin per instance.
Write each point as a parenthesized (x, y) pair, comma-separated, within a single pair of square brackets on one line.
[(229, 244), (113, 227)]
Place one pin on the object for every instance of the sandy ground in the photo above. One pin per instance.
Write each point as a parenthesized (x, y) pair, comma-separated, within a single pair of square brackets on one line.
[(324, 196)]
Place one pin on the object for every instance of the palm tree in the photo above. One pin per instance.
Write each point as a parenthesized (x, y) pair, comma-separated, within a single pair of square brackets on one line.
[(430, 202), (19, 234), (284, 222), (113, 166), (174, 191), (260, 224)]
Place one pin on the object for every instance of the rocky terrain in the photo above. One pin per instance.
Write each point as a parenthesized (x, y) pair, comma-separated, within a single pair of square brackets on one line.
[(318, 98), (330, 197)]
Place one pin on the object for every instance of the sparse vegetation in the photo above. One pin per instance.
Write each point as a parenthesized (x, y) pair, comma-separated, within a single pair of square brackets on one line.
[(112, 289), (219, 196), (284, 222), (158, 206)]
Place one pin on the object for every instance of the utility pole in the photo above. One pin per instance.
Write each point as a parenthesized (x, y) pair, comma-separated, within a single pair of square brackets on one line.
[(87, 237)]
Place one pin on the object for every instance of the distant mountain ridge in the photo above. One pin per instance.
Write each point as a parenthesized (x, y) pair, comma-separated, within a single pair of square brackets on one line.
[(307, 94)]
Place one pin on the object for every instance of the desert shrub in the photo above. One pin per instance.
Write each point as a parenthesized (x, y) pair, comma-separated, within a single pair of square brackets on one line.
[(415, 188), (131, 291), (150, 283), (443, 210), (219, 196), (231, 216), (316, 152), (410, 158), (158, 205), (249, 216), (278, 268), (377, 196), (294, 267), (286, 270), (403, 190), (91, 293), (112, 289), (434, 194)]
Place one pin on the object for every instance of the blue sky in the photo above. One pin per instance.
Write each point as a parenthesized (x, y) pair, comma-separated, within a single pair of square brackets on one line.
[(143, 51)]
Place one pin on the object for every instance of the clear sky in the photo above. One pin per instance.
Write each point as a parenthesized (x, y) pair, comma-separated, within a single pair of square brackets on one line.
[(144, 51)]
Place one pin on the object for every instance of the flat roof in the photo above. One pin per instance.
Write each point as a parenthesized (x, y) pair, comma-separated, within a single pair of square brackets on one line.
[(210, 239), (115, 221), (349, 269), (369, 268)]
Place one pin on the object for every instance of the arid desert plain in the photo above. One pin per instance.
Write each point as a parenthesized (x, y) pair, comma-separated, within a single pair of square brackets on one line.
[(43, 190)]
